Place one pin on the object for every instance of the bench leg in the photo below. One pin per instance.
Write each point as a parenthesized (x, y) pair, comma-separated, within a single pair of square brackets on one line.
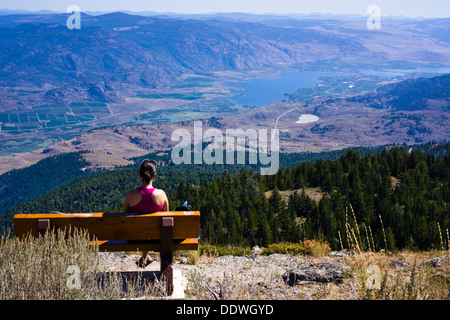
[(167, 253), (43, 225)]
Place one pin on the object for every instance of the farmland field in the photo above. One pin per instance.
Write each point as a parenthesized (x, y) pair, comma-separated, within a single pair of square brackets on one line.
[(181, 96), (51, 116)]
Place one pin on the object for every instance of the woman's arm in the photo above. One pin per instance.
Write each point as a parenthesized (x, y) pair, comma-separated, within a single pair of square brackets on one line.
[(160, 197), (126, 203), (166, 203)]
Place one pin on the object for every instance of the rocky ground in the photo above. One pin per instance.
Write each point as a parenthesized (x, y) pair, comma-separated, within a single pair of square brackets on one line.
[(339, 275)]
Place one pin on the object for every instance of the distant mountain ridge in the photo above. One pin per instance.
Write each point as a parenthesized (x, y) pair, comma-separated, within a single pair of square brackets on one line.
[(223, 15), (120, 54), (40, 53)]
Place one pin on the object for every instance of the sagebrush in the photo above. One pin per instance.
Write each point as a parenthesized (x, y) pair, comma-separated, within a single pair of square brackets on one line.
[(41, 268)]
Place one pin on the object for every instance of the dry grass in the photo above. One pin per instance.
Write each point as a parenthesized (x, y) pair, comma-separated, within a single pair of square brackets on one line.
[(41, 269), (37, 268), (412, 281)]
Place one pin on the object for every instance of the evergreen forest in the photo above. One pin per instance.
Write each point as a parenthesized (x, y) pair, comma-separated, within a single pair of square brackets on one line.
[(391, 198)]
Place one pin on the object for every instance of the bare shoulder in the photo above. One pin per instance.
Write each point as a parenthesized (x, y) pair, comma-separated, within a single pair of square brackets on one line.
[(132, 194), (160, 197), (159, 193), (132, 198)]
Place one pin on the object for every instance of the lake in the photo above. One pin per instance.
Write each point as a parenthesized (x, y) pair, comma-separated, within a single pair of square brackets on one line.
[(263, 91)]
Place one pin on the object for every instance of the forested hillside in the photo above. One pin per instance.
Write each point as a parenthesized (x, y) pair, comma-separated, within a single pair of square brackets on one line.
[(395, 195), (395, 198), (58, 170), (17, 186)]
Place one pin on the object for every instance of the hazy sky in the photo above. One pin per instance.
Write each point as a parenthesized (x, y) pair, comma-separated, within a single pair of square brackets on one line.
[(411, 8)]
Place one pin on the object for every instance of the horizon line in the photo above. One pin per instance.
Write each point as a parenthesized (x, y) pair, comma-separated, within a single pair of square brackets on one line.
[(127, 11)]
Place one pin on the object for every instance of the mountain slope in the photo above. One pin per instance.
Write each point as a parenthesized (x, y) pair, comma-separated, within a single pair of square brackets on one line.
[(410, 95), (117, 52), (120, 54)]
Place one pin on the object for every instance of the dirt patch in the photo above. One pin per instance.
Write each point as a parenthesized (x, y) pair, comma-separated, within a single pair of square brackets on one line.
[(104, 161), (313, 193)]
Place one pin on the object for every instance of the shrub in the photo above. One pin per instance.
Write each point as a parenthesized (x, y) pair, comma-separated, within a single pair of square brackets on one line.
[(40, 269), (316, 248), (216, 251), (284, 248), (308, 247)]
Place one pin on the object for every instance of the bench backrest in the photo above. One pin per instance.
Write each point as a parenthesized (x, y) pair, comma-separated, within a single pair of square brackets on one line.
[(111, 226)]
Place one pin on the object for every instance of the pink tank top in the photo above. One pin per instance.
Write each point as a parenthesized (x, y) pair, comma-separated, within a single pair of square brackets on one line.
[(146, 205)]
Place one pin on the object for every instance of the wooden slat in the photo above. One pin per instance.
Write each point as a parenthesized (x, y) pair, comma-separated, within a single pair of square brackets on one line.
[(114, 226), (151, 245)]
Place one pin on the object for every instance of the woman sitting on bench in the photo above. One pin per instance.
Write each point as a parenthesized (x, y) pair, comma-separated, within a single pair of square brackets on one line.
[(146, 199)]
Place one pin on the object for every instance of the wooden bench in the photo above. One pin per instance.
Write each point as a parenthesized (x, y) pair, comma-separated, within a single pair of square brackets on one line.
[(162, 232)]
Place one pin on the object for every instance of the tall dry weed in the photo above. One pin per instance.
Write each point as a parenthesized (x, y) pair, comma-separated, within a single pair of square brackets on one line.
[(57, 267)]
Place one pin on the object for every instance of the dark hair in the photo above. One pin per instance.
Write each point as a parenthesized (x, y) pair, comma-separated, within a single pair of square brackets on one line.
[(147, 171)]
